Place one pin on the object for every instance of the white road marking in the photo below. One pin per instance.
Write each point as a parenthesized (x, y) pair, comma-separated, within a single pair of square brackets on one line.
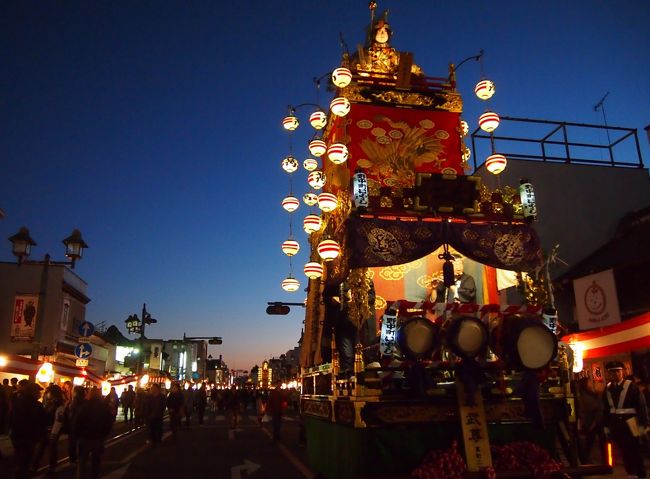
[(248, 466), (289, 455)]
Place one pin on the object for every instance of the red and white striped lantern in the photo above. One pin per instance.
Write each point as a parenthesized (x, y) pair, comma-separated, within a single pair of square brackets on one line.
[(313, 270), (290, 284), (290, 247), (327, 202), (337, 153), (341, 77), (484, 89), (290, 164), (290, 203), (318, 120), (328, 250), (496, 163), (316, 179), (312, 224), (340, 106), (489, 121), (290, 122), (310, 164), (317, 147), (310, 199)]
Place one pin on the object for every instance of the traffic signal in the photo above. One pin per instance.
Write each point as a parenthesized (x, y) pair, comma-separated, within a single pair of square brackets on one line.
[(215, 340), (277, 309)]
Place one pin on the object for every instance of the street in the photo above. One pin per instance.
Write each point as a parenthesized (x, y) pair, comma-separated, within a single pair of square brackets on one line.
[(213, 448)]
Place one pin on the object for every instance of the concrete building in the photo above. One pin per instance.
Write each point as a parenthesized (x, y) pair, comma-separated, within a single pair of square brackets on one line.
[(41, 308)]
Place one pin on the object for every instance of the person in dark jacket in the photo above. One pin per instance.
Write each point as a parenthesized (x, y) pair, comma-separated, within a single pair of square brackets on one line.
[(626, 418), (155, 411), (175, 405), (201, 399), (28, 424), (93, 423), (128, 401), (71, 412), (276, 405)]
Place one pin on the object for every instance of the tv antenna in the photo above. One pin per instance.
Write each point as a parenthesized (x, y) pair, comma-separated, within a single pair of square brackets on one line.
[(601, 106)]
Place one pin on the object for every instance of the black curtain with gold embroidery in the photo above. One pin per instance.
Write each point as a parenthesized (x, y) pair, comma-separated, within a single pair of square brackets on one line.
[(375, 242)]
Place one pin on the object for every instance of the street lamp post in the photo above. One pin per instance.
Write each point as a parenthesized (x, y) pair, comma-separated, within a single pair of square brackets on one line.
[(21, 248), (134, 325)]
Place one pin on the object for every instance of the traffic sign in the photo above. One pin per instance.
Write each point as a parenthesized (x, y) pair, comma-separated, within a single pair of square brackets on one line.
[(82, 363), (83, 351), (86, 329)]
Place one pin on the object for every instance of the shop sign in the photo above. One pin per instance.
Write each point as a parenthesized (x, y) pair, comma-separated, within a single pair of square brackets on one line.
[(596, 300), (24, 319)]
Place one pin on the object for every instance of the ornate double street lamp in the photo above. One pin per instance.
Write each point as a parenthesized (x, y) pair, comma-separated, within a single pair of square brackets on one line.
[(22, 244), (135, 325)]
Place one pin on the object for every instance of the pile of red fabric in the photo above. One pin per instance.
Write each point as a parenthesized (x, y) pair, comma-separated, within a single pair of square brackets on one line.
[(524, 456), (442, 464)]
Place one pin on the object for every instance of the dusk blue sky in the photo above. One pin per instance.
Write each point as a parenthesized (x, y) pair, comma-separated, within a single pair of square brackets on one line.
[(155, 128)]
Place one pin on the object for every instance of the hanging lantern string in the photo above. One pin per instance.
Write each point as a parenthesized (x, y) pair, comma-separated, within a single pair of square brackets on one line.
[(290, 267)]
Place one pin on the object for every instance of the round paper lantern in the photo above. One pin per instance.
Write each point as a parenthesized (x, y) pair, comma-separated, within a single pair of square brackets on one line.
[(327, 202), (341, 77), (318, 119), (316, 179), (290, 164), (484, 89), (337, 153), (290, 284), (312, 223), (340, 106), (310, 164), (496, 163), (328, 250), (317, 147), (290, 247), (489, 121), (290, 122), (464, 127), (310, 199), (313, 270), (290, 203)]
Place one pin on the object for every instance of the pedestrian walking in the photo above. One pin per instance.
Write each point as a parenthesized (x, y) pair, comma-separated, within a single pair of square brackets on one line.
[(53, 404), (188, 403), (92, 424), (276, 405), (127, 399), (59, 427), (233, 403), (590, 418), (28, 424), (139, 406), (176, 408), (201, 400), (154, 404), (113, 402), (71, 412), (626, 418)]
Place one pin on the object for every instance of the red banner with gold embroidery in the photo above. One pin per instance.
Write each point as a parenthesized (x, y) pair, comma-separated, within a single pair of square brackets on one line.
[(392, 144)]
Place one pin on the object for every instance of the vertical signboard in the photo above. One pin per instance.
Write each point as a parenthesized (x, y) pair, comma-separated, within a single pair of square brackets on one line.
[(596, 300), (24, 319)]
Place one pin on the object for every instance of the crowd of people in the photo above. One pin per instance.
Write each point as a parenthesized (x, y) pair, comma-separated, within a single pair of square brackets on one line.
[(35, 418)]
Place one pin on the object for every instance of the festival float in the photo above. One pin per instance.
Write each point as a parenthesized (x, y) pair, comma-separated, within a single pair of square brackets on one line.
[(412, 363)]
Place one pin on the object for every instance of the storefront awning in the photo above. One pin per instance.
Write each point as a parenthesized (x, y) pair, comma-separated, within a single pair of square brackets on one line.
[(619, 338), (29, 367)]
